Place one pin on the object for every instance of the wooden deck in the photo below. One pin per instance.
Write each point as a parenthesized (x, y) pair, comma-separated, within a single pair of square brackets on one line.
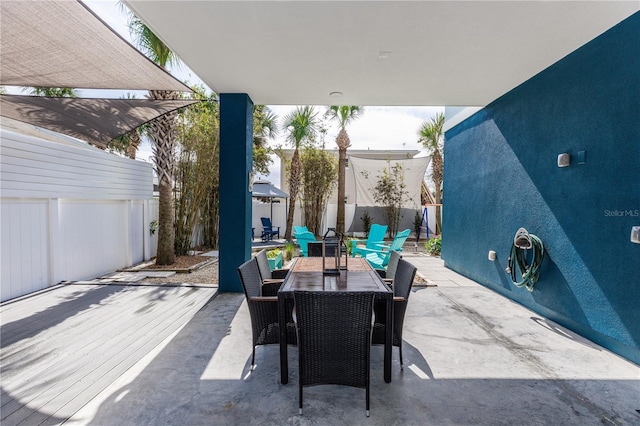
[(60, 348)]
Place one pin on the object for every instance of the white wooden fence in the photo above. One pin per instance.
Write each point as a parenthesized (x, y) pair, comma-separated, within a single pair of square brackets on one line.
[(69, 212)]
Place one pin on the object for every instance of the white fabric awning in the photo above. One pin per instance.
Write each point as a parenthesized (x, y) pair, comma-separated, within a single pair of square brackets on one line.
[(366, 172)]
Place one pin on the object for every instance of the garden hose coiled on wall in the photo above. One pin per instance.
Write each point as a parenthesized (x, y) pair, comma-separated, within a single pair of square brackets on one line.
[(522, 242)]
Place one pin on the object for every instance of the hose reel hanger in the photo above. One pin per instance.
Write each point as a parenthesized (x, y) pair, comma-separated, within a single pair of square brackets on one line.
[(527, 264)]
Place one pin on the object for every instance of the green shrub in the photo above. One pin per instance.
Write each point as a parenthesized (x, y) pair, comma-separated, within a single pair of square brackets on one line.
[(433, 246), (272, 254), (366, 223), (289, 250)]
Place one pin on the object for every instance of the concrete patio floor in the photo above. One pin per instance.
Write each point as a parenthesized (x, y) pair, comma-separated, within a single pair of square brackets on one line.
[(471, 357)]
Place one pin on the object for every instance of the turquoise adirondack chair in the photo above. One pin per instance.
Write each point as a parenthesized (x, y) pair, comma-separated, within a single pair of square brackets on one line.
[(375, 238), (299, 229), (379, 259), (304, 237)]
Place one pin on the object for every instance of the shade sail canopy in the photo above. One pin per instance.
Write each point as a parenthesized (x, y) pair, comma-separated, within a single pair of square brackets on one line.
[(97, 121), (266, 190), (63, 44)]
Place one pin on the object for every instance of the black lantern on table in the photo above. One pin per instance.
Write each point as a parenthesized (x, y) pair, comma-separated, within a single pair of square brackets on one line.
[(333, 248)]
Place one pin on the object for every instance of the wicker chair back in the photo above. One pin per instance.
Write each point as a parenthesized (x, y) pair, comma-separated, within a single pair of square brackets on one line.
[(263, 265), (263, 310), (250, 277), (392, 267), (334, 338)]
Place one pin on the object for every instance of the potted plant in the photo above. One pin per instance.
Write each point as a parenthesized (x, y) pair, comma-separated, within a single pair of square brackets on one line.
[(289, 249), (275, 259)]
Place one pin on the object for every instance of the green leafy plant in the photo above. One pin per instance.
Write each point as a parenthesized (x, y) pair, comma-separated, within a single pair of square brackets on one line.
[(319, 170), (366, 222), (433, 246), (196, 174), (153, 227), (347, 241), (289, 250), (272, 254)]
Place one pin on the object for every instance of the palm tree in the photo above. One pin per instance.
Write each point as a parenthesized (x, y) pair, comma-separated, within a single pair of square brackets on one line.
[(432, 139), (53, 92), (265, 126), (344, 115), (128, 143), (162, 131), (302, 126)]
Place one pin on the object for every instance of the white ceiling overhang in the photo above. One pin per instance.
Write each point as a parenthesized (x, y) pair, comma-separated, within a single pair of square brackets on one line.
[(375, 52)]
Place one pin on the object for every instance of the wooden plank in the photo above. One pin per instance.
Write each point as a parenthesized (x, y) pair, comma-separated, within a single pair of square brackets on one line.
[(106, 356), (83, 390), (135, 337), (76, 333)]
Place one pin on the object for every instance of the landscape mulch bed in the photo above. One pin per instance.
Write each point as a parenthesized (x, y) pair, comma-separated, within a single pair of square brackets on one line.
[(182, 262)]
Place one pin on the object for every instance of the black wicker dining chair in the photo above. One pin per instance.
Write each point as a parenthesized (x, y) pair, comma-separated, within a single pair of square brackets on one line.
[(271, 280), (334, 339), (262, 309), (402, 283), (389, 274)]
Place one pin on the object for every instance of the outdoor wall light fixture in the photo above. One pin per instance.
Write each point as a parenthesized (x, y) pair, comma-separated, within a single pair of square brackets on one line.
[(564, 159), (335, 95)]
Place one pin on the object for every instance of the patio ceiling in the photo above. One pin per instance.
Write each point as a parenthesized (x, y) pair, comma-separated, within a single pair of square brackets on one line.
[(464, 53)]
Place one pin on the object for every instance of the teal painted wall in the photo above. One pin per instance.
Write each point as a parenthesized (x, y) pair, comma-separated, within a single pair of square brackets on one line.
[(501, 174)]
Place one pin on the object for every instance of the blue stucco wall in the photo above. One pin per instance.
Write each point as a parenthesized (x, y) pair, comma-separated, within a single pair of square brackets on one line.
[(501, 174), (236, 160)]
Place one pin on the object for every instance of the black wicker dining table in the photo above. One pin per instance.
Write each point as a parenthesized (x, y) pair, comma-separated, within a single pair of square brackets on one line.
[(306, 274)]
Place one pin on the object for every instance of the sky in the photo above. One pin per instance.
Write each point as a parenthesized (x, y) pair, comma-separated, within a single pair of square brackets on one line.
[(379, 127)]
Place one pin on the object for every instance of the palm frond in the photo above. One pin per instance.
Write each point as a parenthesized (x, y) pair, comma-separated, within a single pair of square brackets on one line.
[(344, 114), (301, 125)]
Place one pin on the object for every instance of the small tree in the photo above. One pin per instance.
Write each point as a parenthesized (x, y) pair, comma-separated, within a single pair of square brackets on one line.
[(390, 191), (319, 170)]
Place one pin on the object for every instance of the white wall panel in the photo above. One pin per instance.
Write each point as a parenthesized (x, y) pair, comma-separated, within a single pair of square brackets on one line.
[(94, 238), (23, 251), (37, 168), (69, 213), (136, 230)]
